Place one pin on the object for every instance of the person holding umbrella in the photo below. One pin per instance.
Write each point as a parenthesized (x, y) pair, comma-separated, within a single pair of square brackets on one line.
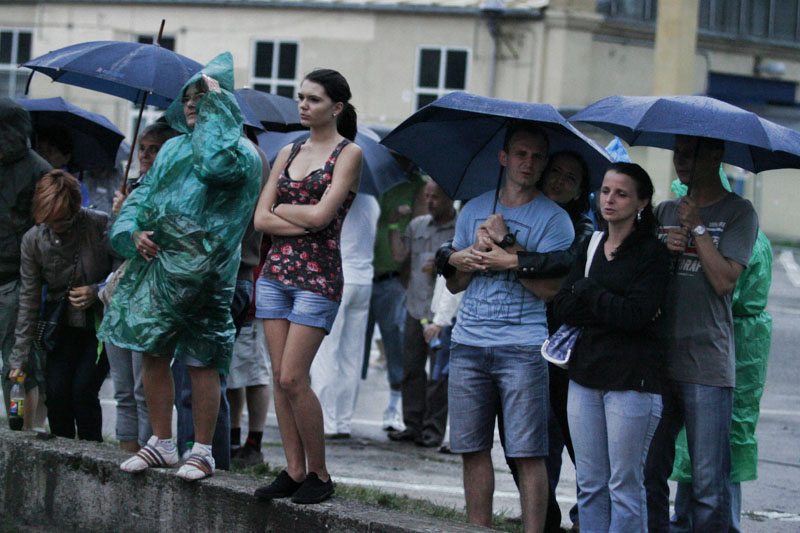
[(711, 233), (300, 288), (500, 327), (182, 229)]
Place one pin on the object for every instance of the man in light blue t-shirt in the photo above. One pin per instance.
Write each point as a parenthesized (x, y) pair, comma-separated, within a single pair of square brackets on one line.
[(495, 359)]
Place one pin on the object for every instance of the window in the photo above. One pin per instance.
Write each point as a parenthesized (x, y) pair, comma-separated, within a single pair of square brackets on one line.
[(440, 70), (151, 113), (275, 67), (772, 20), (15, 49)]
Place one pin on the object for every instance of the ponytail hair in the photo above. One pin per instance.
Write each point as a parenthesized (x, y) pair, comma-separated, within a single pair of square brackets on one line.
[(338, 90)]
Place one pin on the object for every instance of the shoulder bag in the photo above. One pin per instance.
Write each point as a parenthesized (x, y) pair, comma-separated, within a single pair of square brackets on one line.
[(51, 319), (557, 349)]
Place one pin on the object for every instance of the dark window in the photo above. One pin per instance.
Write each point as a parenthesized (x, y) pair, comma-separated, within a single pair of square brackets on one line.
[(286, 90), (6, 46), (263, 87), (287, 61), (15, 48), (23, 47), (264, 51), (456, 70), (429, 66), (275, 68), (166, 41), (425, 99)]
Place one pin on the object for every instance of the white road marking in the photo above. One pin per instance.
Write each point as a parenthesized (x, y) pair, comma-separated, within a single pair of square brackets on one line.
[(774, 515), (786, 259), (782, 309), (779, 412)]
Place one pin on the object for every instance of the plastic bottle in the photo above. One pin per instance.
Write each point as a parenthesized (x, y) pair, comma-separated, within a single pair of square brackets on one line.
[(16, 411), (435, 343)]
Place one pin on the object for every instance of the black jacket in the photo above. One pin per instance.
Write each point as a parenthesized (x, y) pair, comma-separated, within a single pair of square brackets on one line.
[(621, 347), (535, 265)]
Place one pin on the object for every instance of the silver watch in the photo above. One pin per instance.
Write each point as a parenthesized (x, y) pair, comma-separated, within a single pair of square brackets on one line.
[(698, 230)]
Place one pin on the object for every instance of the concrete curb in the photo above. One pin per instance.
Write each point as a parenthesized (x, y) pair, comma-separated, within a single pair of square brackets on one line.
[(78, 486)]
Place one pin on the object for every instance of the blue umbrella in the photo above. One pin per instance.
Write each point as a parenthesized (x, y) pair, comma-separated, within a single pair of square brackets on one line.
[(275, 112), (751, 142), (95, 140), (456, 140), (379, 173), (249, 117), (127, 70)]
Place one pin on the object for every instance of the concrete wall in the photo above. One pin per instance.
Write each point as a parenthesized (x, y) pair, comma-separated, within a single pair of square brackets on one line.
[(67, 485)]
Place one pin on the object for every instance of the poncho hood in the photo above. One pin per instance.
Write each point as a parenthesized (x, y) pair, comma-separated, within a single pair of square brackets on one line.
[(221, 69), (15, 130)]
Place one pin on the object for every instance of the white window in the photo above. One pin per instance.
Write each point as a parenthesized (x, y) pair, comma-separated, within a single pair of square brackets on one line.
[(15, 49), (151, 113), (440, 70), (275, 67)]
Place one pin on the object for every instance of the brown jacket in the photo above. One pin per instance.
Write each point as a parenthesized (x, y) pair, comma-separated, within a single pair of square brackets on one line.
[(48, 258)]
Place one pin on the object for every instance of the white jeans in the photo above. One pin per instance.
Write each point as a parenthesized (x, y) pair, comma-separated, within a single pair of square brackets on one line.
[(336, 369)]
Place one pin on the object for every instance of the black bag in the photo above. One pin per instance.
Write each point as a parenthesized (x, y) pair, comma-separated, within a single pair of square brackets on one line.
[(51, 321), (48, 329)]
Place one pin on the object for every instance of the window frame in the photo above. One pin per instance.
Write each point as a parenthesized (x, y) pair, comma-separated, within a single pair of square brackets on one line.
[(440, 90), (12, 68), (274, 81)]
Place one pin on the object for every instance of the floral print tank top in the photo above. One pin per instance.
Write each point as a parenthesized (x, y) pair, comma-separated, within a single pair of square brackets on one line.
[(310, 262)]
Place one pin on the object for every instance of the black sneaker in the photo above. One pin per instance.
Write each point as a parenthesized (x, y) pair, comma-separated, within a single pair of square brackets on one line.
[(313, 490), (283, 487), (247, 456)]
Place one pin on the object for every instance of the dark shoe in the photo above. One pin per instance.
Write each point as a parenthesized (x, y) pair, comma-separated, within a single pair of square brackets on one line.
[(247, 456), (313, 490), (337, 436), (445, 448), (283, 487), (405, 435), (427, 441)]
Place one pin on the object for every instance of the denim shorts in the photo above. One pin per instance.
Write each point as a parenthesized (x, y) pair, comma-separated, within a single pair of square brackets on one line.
[(274, 300), (483, 380)]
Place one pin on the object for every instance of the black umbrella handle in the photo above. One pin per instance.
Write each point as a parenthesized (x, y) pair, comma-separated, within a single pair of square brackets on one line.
[(497, 190)]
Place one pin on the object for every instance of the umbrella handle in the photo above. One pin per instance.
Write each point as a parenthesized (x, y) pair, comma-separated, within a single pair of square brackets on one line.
[(497, 190)]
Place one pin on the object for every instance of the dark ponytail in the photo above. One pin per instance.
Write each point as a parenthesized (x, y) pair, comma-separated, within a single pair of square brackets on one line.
[(337, 88)]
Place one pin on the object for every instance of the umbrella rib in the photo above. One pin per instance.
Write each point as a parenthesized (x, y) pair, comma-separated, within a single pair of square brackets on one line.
[(475, 153)]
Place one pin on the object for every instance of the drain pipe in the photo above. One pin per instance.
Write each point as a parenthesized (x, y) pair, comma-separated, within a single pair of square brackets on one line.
[(493, 10)]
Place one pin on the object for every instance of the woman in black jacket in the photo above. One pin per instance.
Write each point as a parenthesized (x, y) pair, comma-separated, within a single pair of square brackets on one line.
[(614, 392)]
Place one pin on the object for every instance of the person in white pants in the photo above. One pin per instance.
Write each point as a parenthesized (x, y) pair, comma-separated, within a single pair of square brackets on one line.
[(336, 370)]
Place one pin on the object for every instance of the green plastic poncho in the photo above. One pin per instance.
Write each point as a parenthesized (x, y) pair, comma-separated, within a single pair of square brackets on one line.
[(198, 199), (752, 331)]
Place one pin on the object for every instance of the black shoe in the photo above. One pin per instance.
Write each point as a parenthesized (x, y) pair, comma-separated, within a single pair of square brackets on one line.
[(247, 456), (405, 435), (283, 487), (313, 490), (427, 441), (337, 436)]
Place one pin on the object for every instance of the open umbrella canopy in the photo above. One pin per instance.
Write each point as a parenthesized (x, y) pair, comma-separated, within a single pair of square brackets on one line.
[(275, 112), (751, 142), (127, 70), (457, 138), (379, 173), (95, 140)]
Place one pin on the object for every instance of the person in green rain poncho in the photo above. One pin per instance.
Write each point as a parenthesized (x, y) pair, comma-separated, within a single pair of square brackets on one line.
[(752, 331), (183, 228)]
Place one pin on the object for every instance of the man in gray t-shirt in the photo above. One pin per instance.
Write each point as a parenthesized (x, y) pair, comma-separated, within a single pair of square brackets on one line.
[(711, 233)]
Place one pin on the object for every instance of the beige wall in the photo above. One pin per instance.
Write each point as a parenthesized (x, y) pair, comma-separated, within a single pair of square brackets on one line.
[(572, 58)]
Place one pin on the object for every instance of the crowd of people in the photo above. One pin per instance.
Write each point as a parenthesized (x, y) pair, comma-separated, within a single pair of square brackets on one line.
[(217, 277)]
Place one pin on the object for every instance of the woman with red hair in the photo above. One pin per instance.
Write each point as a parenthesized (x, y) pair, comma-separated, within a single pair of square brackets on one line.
[(67, 251)]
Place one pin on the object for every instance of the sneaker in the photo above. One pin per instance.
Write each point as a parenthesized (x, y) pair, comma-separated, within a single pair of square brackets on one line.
[(283, 486), (196, 467), (313, 490), (152, 455), (403, 436), (392, 421), (247, 456)]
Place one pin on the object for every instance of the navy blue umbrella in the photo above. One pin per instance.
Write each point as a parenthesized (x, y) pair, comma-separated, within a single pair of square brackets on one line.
[(95, 140), (751, 142), (127, 70), (456, 140), (275, 112), (379, 173)]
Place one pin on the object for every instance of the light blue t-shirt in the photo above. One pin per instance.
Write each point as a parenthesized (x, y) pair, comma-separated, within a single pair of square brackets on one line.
[(497, 310)]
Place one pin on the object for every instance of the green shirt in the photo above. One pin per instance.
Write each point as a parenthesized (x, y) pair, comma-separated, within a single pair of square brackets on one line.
[(402, 194)]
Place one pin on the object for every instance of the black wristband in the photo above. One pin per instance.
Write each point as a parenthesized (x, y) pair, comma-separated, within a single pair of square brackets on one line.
[(442, 260)]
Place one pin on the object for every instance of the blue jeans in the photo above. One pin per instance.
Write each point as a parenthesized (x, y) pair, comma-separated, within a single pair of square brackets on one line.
[(133, 419), (681, 521), (387, 308), (706, 411), (611, 432)]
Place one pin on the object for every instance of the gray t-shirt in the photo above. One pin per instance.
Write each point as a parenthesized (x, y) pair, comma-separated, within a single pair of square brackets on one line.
[(698, 322), (423, 237)]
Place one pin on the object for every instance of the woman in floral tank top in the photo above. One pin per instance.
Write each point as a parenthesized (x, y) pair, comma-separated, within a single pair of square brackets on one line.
[(309, 192)]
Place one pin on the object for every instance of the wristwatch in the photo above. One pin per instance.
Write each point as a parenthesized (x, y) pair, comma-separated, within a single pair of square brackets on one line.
[(699, 230), (509, 240)]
